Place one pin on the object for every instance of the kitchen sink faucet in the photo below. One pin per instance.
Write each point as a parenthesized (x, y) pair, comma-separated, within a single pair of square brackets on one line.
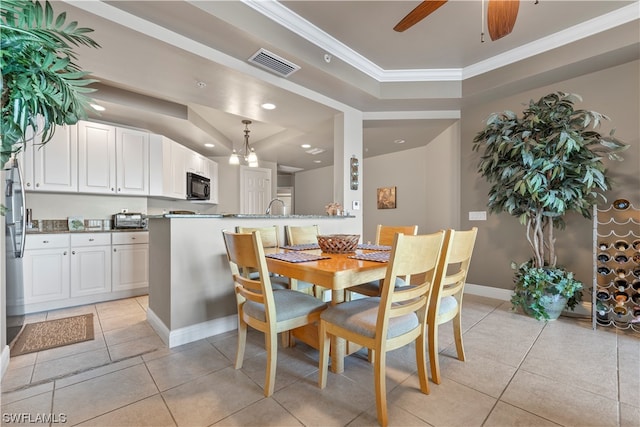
[(268, 211)]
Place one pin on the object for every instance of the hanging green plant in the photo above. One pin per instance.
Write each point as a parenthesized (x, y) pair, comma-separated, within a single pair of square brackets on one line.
[(39, 76)]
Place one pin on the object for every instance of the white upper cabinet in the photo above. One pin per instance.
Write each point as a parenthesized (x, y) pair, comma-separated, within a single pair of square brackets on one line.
[(112, 160), (132, 162), (167, 172), (96, 158), (213, 175), (53, 166)]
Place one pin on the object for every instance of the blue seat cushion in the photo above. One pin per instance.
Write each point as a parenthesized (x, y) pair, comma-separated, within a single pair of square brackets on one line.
[(289, 305), (361, 315), (447, 304)]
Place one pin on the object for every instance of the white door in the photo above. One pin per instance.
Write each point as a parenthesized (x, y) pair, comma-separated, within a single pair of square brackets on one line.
[(255, 189)]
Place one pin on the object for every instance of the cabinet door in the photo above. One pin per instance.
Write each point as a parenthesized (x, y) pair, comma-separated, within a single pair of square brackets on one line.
[(130, 267), (195, 163), (46, 275), (53, 166), (213, 176), (179, 154), (132, 162), (96, 158), (90, 270)]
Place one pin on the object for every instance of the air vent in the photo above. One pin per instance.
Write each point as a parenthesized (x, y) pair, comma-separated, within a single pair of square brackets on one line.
[(272, 62)]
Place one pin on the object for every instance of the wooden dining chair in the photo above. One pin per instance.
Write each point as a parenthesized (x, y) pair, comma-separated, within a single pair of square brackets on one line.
[(446, 301), (270, 239), (388, 322), (384, 236), (259, 306), (304, 235), (301, 234)]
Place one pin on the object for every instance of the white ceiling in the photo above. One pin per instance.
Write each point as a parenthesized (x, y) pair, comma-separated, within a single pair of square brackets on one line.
[(409, 85)]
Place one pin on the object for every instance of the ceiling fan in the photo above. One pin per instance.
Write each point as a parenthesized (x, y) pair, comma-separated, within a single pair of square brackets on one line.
[(501, 16)]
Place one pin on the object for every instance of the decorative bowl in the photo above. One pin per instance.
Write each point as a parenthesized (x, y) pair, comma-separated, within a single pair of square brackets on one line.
[(338, 243), (621, 204)]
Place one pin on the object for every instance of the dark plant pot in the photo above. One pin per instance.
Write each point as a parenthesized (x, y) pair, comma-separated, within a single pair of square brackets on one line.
[(554, 307)]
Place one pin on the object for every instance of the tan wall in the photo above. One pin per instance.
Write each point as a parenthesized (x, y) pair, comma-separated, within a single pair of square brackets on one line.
[(501, 239)]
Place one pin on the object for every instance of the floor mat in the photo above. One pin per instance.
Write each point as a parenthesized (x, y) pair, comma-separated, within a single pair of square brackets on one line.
[(53, 333)]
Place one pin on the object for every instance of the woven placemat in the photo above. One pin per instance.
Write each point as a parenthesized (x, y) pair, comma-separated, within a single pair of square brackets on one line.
[(372, 247), (301, 247), (373, 256), (296, 256), (53, 333)]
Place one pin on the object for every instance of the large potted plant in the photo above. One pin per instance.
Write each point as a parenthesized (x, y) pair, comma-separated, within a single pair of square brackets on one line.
[(542, 166), (40, 79)]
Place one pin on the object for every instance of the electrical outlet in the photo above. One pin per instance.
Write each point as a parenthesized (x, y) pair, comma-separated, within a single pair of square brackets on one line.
[(355, 205)]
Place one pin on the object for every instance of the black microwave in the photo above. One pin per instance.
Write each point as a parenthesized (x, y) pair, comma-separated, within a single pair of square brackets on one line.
[(198, 187)]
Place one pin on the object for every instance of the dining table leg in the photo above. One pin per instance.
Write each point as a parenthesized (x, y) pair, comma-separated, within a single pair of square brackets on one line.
[(338, 345)]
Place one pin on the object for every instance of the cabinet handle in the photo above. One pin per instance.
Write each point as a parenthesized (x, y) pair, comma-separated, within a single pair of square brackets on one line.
[(64, 253), (119, 189), (91, 240), (111, 188), (114, 250), (73, 252), (133, 238), (37, 184), (45, 241), (28, 184)]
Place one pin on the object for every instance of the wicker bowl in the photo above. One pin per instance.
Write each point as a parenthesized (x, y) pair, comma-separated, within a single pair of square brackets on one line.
[(338, 243)]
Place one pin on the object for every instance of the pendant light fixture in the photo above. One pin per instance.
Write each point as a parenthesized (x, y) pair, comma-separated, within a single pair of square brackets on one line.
[(250, 156)]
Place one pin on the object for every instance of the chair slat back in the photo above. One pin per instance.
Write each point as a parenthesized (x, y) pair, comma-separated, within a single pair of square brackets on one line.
[(454, 265), (415, 256), (302, 235), (245, 253), (386, 233), (269, 235)]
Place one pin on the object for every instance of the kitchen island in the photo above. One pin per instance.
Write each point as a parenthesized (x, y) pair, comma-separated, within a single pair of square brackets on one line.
[(191, 293)]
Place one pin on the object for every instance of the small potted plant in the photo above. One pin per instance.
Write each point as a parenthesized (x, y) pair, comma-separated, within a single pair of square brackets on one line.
[(542, 166), (543, 293)]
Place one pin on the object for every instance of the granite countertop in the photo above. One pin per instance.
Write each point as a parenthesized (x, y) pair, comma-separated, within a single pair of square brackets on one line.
[(86, 230), (244, 216)]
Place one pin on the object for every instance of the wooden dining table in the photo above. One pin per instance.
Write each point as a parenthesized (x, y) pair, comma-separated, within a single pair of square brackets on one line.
[(337, 272)]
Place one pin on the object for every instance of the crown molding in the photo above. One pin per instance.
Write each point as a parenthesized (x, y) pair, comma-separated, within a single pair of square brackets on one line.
[(285, 17)]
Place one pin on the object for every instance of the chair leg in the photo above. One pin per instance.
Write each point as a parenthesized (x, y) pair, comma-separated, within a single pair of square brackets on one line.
[(324, 342), (242, 342), (433, 352), (421, 360), (271, 341), (457, 333), (381, 387)]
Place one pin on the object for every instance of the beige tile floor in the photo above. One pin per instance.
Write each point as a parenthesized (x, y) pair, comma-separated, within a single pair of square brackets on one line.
[(519, 372)]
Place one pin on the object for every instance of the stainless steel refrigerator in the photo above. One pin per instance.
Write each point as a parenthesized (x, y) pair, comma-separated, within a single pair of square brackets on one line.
[(15, 229)]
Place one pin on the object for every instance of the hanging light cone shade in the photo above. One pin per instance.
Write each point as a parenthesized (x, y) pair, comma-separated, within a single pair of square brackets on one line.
[(234, 159)]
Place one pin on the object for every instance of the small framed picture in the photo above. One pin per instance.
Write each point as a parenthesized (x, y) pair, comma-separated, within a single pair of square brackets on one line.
[(386, 198)]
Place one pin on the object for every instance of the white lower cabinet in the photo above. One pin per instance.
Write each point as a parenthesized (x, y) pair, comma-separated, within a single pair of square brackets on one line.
[(130, 260), (90, 264), (68, 269), (46, 268)]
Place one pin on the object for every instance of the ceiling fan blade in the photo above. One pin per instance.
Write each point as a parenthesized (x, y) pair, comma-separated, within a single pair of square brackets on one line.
[(423, 10), (501, 17)]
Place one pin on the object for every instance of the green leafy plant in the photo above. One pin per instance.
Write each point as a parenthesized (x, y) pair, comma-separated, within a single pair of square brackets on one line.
[(39, 76), (536, 287), (541, 166)]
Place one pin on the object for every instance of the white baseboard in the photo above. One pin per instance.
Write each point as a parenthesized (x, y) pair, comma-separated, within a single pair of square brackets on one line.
[(191, 333), (4, 360), (488, 291)]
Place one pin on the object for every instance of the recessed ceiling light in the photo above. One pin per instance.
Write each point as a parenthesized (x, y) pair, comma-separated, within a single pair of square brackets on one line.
[(209, 145), (399, 141), (268, 106), (97, 107), (306, 146), (317, 161)]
